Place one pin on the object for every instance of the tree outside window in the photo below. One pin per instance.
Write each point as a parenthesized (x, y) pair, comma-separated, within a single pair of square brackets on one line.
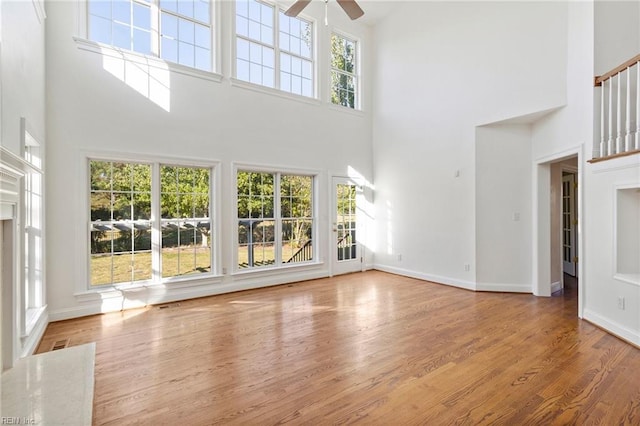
[(344, 72)]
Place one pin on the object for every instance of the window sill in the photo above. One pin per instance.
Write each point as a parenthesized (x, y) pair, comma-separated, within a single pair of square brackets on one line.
[(108, 292), (628, 278), (346, 110), (139, 58), (270, 271), (32, 316), (274, 92)]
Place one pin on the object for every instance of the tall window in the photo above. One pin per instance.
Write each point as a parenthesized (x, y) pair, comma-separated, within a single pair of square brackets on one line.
[(186, 228), (175, 30), (296, 62), (344, 71), (120, 222), (297, 218), (284, 61), (33, 227), (275, 219), (122, 225)]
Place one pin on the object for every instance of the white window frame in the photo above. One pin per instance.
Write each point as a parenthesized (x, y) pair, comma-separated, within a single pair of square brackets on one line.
[(83, 42), (357, 75), (276, 47), (278, 171), (155, 220), (34, 291)]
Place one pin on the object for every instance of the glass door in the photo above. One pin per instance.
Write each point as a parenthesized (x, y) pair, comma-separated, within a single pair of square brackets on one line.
[(346, 249)]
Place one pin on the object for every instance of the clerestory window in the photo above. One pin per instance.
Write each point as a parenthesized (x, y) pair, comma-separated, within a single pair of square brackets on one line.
[(274, 50), (344, 71), (178, 31)]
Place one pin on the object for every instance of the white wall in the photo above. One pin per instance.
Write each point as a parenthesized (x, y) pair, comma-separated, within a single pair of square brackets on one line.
[(23, 69), (22, 96), (605, 285), (503, 207), (617, 33), (90, 109), (617, 39), (444, 68)]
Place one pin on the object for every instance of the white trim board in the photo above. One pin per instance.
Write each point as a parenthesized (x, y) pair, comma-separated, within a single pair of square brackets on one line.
[(92, 304), (612, 327), (437, 279)]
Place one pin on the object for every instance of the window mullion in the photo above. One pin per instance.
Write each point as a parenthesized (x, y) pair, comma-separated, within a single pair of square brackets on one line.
[(276, 47), (155, 28), (156, 225), (213, 252), (278, 222)]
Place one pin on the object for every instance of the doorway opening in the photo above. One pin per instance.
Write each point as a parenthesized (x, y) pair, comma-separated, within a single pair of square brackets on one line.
[(564, 227), (557, 237)]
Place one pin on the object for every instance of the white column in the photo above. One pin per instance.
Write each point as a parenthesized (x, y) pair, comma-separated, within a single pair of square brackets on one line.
[(610, 147), (628, 140), (600, 150), (619, 141), (637, 105)]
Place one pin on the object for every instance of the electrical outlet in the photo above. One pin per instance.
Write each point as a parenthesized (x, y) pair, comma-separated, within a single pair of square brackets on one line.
[(399, 258), (224, 271), (467, 267), (621, 303)]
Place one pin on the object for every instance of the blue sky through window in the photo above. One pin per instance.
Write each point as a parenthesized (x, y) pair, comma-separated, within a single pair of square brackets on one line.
[(184, 25)]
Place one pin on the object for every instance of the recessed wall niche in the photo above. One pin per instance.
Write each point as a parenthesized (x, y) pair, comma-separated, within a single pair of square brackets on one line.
[(628, 234)]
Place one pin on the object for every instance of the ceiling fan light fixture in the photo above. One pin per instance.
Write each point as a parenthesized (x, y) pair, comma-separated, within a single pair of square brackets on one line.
[(326, 13), (351, 8), (296, 8)]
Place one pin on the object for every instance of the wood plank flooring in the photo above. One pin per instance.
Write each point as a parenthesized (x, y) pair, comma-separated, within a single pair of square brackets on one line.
[(370, 347)]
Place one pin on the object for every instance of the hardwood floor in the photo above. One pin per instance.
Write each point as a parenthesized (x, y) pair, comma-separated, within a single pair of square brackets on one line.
[(369, 347)]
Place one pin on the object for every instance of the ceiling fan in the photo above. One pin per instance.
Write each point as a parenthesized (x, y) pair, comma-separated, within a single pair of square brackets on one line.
[(350, 7)]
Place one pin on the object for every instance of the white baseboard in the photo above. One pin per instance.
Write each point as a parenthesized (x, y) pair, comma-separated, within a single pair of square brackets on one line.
[(619, 330), (557, 286), (504, 287), (113, 301), (454, 282), (467, 285)]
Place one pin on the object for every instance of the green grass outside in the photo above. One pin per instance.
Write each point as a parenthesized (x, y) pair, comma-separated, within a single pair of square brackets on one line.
[(175, 262)]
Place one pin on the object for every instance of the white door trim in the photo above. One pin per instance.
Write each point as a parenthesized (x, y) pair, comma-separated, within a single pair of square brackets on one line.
[(541, 272)]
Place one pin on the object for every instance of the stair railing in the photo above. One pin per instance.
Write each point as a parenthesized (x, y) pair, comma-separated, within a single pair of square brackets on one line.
[(619, 118)]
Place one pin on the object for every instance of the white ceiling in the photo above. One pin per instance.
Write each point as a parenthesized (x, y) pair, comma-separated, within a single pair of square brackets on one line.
[(374, 10)]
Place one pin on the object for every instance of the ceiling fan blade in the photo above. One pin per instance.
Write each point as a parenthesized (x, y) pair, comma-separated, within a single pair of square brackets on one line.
[(351, 8), (297, 7)]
